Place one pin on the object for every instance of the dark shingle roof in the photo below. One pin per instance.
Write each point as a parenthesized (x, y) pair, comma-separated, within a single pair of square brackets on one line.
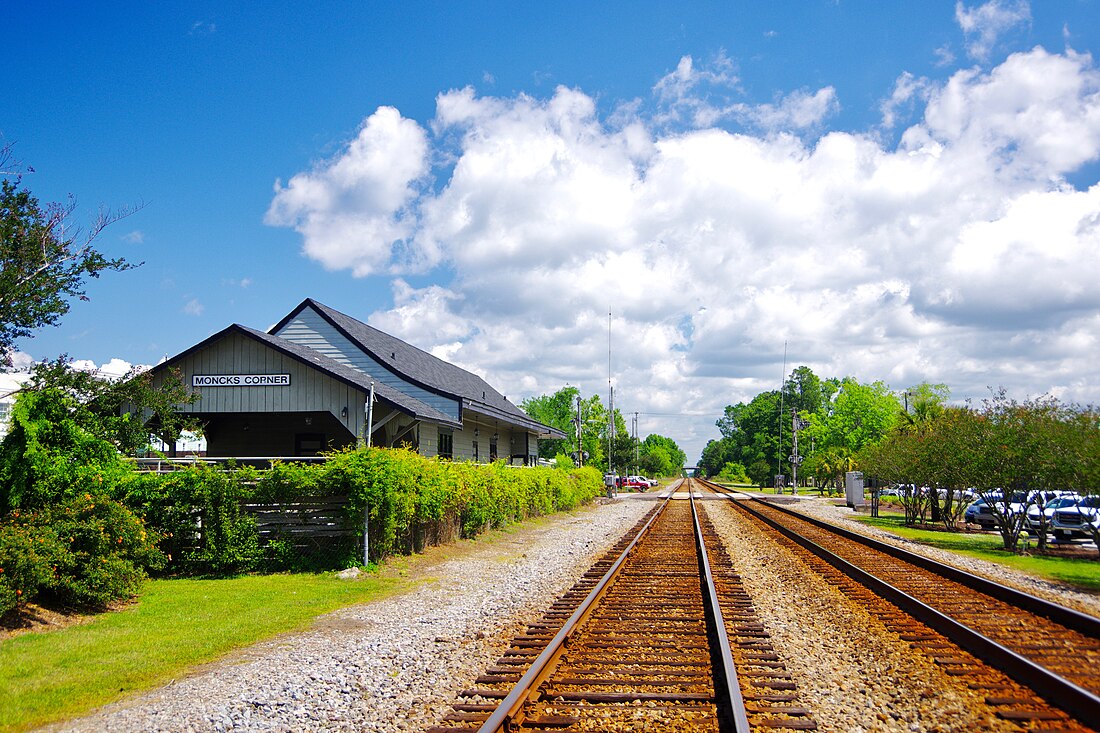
[(420, 367)]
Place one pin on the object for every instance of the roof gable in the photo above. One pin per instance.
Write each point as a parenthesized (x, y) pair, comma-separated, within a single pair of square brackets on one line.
[(331, 367), (413, 364)]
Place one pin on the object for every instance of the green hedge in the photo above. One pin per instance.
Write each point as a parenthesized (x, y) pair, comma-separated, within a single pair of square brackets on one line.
[(90, 549), (411, 502), (414, 501)]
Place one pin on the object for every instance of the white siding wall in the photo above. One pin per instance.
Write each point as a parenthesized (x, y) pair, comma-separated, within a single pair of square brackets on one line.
[(309, 389)]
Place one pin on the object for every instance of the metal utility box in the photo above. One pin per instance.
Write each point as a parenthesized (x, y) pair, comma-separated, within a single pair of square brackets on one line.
[(853, 489)]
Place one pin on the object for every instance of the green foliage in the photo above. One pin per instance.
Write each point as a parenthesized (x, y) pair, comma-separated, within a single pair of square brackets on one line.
[(760, 473), (50, 454), (198, 512), (26, 562), (734, 473), (861, 415), (563, 462), (660, 456), (107, 550), (559, 410), (1004, 446), (750, 436), (86, 551), (41, 269), (840, 416)]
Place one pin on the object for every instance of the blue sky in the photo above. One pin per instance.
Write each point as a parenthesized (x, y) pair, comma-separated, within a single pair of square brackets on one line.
[(896, 191)]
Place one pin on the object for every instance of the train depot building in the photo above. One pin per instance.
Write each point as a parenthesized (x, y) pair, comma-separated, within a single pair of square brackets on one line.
[(304, 387)]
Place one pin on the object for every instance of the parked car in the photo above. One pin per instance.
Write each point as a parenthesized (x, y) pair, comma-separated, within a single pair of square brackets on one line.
[(1078, 520), (1035, 523), (981, 513), (635, 482)]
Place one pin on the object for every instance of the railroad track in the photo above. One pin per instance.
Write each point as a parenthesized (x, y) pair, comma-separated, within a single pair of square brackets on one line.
[(1037, 663), (659, 635)]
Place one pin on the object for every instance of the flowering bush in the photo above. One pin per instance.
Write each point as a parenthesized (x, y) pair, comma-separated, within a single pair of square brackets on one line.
[(86, 551)]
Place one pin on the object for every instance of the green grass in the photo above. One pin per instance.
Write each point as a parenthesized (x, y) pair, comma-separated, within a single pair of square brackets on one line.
[(55, 675), (1081, 573)]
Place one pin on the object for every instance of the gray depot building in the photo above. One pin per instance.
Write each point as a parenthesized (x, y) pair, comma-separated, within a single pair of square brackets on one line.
[(304, 387)]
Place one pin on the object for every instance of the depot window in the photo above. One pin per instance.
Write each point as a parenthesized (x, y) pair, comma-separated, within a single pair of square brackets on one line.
[(446, 444)]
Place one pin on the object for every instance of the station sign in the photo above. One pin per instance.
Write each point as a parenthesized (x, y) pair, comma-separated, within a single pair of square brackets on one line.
[(240, 380)]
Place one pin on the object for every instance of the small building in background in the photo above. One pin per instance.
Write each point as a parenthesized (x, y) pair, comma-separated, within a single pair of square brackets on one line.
[(304, 387), (10, 384)]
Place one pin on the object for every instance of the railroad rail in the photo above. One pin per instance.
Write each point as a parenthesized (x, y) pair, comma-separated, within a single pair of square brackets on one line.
[(1038, 662), (658, 635)]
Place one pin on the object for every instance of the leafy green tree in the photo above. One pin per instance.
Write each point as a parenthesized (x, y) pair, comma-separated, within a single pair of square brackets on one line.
[(861, 415), (43, 264), (923, 402), (559, 410), (805, 392), (734, 473), (661, 456), (753, 430), (69, 430), (715, 456)]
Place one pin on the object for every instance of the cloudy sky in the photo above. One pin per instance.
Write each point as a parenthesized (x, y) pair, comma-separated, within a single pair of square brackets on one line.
[(902, 192)]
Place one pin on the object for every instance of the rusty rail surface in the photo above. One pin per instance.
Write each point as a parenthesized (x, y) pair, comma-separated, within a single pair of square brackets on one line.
[(648, 647), (1051, 654)]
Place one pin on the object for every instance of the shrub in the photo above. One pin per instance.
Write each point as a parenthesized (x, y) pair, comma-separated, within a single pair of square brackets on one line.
[(26, 555), (411, 501), (198, 513), (86, 552)]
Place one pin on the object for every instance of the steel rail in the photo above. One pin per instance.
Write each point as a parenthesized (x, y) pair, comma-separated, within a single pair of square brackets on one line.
[(508, 716), (1057, 690), (730, 702), (1068, 617)]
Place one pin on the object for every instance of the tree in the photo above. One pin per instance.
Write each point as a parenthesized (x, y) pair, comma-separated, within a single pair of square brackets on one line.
[(804, 392), (69, 430), (661, 456), (861, 415), (923, 402), (716, 454), (753, 430), (559, 410), (44, 263)]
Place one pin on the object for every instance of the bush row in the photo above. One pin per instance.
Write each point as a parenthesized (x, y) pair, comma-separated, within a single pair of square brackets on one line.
[(89, 548)]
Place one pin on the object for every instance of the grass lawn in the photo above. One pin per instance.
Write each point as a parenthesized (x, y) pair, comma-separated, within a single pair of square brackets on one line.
[(55, 675), (1081, 572)]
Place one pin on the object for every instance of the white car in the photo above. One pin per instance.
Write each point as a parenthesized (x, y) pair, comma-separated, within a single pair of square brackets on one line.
[(1035, 524), (1082, 519)]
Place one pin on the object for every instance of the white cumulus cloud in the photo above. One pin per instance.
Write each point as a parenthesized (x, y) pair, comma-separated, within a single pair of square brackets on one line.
[(957, 254)]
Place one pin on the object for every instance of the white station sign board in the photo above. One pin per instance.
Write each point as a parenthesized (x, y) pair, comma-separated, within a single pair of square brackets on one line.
[(240, 380)]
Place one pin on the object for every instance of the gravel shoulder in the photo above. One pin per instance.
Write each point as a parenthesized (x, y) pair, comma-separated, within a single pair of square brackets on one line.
[(395, 664)]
